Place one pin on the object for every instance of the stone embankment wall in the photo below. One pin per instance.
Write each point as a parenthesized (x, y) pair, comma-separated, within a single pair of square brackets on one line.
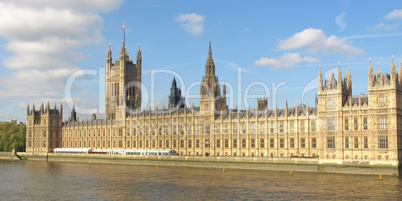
[(251, 163)]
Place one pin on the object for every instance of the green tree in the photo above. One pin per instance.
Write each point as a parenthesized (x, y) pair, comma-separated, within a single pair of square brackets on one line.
[(12, 136)]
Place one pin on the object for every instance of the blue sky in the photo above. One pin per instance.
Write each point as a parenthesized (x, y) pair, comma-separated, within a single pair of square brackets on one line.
[(43, 43)]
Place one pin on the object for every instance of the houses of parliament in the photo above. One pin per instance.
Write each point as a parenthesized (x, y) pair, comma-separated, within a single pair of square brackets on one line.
[(338, 127)]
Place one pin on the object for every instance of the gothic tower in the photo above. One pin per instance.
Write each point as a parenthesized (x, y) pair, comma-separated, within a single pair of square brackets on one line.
[(123, 84), (210, 92), (44, 127), (176, 100)]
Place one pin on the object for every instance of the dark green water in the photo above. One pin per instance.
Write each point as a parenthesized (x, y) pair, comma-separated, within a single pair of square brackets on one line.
[(77, 181)]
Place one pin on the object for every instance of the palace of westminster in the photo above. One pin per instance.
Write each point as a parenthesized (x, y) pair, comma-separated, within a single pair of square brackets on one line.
[(340, 127)]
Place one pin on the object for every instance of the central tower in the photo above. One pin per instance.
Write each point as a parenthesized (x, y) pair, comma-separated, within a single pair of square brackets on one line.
[(210, 91), (123, 84)]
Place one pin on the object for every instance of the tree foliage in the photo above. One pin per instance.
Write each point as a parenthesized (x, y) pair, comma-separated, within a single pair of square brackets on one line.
[(12, 136)]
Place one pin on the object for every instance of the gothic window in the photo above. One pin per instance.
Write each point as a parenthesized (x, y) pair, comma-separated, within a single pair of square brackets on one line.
[(356, 123), (281, 127), (303, 142), (331, 124), (330, 103), (365, 123), (243, 143), (382, 122), (302, 127), (383, 142), (262, 128), (331, 142), (314, 142), (209, 70), (207, 144), (365, 142), (254, 129), (382, 99), (252, 143), (356, 142), (292, 127)]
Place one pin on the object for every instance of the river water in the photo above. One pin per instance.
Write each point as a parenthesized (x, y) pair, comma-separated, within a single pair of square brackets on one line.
[(29, 180)]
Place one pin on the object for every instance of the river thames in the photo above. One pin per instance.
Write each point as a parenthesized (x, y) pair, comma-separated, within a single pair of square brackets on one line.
[(28, 180)]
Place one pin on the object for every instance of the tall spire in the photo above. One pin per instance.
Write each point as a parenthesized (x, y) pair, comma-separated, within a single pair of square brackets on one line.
[(392, 65), (210, 66), (319, 78), (224, 89), (210, 51), (122, 50), (139, 55), (379, 70), (400, 73), (339, 74)]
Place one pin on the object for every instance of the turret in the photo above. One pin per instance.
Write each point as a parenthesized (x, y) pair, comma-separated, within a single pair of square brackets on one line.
[(109, 57), (224, 90), (393, 72), (349, 82), (316, 101), (41, 108), (320, 80), (139, 58), (73, 114), (370, 75), (122, 51), (47, 107), (28, 110), (339, 78), (210, 66), (400, 73)]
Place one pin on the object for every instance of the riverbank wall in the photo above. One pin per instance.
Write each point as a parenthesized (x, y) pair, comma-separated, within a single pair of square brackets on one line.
[(250, 163)]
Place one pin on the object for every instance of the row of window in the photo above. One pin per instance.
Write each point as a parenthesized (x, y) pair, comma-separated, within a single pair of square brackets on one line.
[(199, 129), (51, 134), (382, 142), (382, 125), (219, 144), (51, 144)]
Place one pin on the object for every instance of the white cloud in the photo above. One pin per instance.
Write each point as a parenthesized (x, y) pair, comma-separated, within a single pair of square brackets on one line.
[(44, 38), (75, 5), (395, 14), (34, 83), (287, 60), (386, 27), (340, 21), (192, 23), (316, 41)]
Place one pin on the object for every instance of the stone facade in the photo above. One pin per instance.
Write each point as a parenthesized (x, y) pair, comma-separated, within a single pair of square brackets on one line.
[(339, 128)]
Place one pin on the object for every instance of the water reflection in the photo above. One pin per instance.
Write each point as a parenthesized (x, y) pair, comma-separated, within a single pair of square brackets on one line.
[(71, 181)]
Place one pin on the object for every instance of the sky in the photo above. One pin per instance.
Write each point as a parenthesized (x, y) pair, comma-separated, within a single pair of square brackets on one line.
[(54, 50)]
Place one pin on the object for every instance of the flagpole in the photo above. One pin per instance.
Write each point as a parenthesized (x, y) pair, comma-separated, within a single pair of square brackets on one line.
[(124, 34)]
